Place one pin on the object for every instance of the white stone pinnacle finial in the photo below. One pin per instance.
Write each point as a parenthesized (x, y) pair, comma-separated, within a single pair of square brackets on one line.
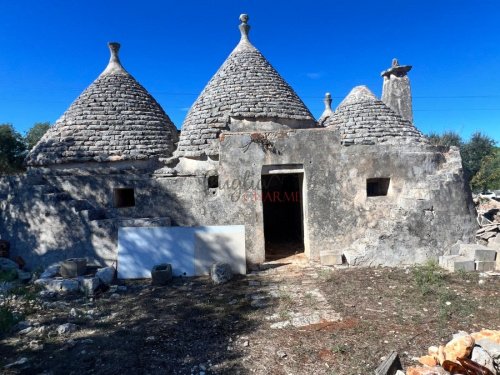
[(328, 102), (244, 27), (114, 64), (114, 48)]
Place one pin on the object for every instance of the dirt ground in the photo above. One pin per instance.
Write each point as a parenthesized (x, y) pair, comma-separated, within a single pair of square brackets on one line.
[(285, 319)]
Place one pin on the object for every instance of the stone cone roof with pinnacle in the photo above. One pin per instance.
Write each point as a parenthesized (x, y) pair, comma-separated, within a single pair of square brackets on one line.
[(246, 86), (361, 118), (114, 119)]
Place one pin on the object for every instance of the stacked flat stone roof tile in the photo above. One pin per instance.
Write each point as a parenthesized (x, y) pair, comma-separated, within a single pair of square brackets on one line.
[(361, 118), (246, 86), (114, 119)]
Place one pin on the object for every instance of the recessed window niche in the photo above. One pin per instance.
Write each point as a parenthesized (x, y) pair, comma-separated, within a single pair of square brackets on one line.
[(377, 187), (123, 197)]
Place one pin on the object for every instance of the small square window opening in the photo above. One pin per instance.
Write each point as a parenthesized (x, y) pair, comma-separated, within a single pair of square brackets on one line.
[(376, 187), (123, 197)]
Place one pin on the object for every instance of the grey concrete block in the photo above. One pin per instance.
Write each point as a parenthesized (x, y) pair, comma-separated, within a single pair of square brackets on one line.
[(446, 261), (464, 265), (485, 266), (106, 275), (464, 249), (161, 274), (481, 254), (330, 257), (89, 285), (456, 262)]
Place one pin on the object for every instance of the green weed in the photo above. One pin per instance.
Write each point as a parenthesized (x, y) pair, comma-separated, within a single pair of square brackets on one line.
[(428, 277), (7, 319), (8, 275), (340, 349)]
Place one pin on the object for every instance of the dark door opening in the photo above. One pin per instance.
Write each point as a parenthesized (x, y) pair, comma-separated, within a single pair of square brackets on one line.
[(283, 217)]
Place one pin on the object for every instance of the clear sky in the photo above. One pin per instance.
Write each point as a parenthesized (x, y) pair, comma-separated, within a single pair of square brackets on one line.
[(51, 50)]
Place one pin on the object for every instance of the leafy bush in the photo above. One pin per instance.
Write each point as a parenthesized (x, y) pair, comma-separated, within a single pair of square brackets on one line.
[(8, 275)]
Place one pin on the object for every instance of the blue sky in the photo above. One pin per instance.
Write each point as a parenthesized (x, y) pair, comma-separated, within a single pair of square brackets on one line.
[(50, 51)]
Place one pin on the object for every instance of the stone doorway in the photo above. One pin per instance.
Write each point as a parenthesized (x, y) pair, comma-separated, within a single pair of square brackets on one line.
[(283, 214)]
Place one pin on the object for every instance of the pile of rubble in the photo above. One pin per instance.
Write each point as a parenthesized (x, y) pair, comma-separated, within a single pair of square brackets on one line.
[(477, 353), (69, 276), (489, 234), (482, 256), (474, 354), (74, 275), (488, 217), (488, 209), (12, 274)]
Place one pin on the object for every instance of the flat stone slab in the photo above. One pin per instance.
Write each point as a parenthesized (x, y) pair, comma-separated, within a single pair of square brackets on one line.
[(190, 250)]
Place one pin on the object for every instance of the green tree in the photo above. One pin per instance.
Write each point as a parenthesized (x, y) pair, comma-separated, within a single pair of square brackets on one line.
[(35, 133), (12, 150), (473, 152), (446, 139), (488, 176)]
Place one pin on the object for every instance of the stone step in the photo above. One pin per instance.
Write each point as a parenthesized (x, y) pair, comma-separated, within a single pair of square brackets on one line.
[(454, 263)]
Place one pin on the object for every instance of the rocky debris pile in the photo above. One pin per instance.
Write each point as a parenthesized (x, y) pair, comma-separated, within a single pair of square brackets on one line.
[(475, 353), (63, 318), (12, 274), (488, 217), (71, 276), (488, 209), (489, 234)]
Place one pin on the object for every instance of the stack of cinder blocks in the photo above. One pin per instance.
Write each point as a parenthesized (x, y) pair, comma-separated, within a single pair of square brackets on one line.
[(469, 257)]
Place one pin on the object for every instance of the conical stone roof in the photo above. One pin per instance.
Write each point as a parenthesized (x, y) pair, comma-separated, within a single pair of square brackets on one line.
[(114, 119), (361, 118), (246, 87)]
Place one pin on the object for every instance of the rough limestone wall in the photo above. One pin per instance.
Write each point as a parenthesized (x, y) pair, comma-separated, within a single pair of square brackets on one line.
[(39, 227), (313, 150), (426, 210), (396, 93), (54, 217)]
